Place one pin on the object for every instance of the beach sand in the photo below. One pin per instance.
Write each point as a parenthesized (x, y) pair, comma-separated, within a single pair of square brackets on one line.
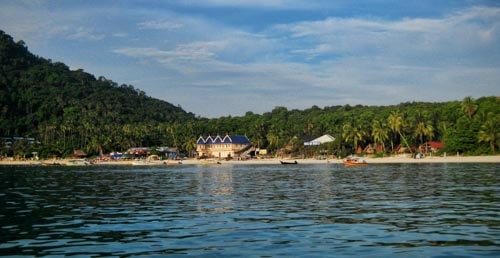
[(386, 160)]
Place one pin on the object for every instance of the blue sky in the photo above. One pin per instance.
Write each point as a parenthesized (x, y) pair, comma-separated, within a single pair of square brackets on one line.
[(226, 57)]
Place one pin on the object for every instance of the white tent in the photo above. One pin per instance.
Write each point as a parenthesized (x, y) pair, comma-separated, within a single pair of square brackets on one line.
[(320, 140)]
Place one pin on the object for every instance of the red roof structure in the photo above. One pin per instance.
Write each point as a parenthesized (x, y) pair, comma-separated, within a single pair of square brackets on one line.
[(436, 145), (431, 146)]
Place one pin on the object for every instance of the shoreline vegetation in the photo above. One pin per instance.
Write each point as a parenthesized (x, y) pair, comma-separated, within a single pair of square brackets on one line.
[(276, 161), (48, 110)]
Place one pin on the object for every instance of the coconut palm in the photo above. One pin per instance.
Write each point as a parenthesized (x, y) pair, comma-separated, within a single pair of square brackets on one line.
[(189, 146), (423, 130), (379, 132), (396, 124), (352, 132), (489, 132), (273, 140), (309, 127), (469, 106)]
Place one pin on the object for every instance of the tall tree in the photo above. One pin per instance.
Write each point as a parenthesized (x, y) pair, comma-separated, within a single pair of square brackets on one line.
[(379, 132), (351, 131), (396, 124), (423, 130), (469, 106), (489, 132)]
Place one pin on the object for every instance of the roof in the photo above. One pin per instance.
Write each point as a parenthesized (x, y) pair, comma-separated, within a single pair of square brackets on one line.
[(436, 145), (235, 139), (320, 140)]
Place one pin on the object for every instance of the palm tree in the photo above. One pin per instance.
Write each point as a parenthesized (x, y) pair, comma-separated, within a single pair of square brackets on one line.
[(273, 140), (379, 132), (489, 133), (258, 134), (190, 146), (309, 127), (396, 124), (172, 131), (469, 106), (352, 132), (423, 130)]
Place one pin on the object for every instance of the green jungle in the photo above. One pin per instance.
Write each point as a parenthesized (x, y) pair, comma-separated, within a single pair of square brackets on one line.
[(66, 110)]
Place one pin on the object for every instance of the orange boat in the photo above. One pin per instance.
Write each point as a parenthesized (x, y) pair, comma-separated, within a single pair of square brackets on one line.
[(354, 161)]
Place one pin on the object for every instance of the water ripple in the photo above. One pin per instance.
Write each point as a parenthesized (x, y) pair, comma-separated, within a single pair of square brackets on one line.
[(415, 210)]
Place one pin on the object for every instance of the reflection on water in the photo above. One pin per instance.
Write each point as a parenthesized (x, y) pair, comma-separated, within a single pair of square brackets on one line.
[(315, 210)]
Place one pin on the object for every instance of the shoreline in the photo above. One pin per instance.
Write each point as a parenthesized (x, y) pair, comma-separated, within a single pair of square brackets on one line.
[(276, 161)]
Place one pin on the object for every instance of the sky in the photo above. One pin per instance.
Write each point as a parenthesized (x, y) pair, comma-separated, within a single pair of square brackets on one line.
[(227, 57)]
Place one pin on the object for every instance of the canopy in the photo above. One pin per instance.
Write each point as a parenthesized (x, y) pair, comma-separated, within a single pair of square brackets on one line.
[(320, 140)]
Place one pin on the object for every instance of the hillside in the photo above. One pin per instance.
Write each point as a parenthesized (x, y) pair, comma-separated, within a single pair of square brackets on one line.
[(37, 95), (67, 110)]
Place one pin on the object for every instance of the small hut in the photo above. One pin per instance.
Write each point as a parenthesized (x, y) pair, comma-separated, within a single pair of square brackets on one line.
[(79, 154)]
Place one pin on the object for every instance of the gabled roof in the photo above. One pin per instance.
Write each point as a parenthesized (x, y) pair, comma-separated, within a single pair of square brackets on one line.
[(217, 140), (373, 148), (200, 140), (239, 139), (436, 145), (320, 140), (235, 139)]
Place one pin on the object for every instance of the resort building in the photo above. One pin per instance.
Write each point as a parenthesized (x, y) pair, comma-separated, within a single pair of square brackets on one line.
[(229, 146)]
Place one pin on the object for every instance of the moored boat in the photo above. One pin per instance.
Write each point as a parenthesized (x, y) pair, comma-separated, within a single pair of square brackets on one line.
[(172, 162), (51, 163), (210, 162), (77, 162), (288, 162), (355, 161)]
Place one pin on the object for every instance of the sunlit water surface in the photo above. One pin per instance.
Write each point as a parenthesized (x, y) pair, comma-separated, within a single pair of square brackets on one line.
[(417, 210)]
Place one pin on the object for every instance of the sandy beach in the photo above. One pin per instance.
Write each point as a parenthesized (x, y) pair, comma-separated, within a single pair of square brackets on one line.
[(386, 160)]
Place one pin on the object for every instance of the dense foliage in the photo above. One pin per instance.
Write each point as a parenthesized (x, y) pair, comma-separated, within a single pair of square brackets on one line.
[(67, 110)]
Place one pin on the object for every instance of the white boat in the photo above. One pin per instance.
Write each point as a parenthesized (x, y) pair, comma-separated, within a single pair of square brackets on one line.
[(210, 162), (355, 161), (77, 162), (146, 162)]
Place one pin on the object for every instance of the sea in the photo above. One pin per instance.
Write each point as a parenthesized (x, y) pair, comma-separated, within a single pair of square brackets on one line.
[(321, 210)]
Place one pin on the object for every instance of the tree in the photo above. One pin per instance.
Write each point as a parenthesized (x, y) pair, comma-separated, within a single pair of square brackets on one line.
[(469, 106), (309, 127), (379, 132), (352, 132), (190, 146), (274, 140), (396, 124), (463, 137), (423, 130), (489, 132)]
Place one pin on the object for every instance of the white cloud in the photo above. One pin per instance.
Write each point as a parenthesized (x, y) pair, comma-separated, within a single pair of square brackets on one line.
[(330, 61), (82, 33), (160, 25), (275, 4)]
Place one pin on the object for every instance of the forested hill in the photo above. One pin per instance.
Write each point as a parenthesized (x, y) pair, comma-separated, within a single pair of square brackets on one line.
[(67, 110), (37, 94)]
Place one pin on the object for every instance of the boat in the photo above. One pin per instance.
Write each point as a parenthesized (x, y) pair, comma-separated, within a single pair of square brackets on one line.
[(354, 161), (154, 160), (288, 162), (172, 162), (148, 163), (77, 162), (210, 162), (52, 163)]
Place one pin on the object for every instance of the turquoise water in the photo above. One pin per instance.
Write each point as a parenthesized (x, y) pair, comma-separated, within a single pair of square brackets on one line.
[(413, 210)]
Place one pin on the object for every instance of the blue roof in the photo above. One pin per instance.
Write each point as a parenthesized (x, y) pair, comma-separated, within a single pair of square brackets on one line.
[(239, 139), (235, 139)]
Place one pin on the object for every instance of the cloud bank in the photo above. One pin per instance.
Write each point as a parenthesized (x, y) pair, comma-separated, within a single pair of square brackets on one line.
[(184, 54)]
